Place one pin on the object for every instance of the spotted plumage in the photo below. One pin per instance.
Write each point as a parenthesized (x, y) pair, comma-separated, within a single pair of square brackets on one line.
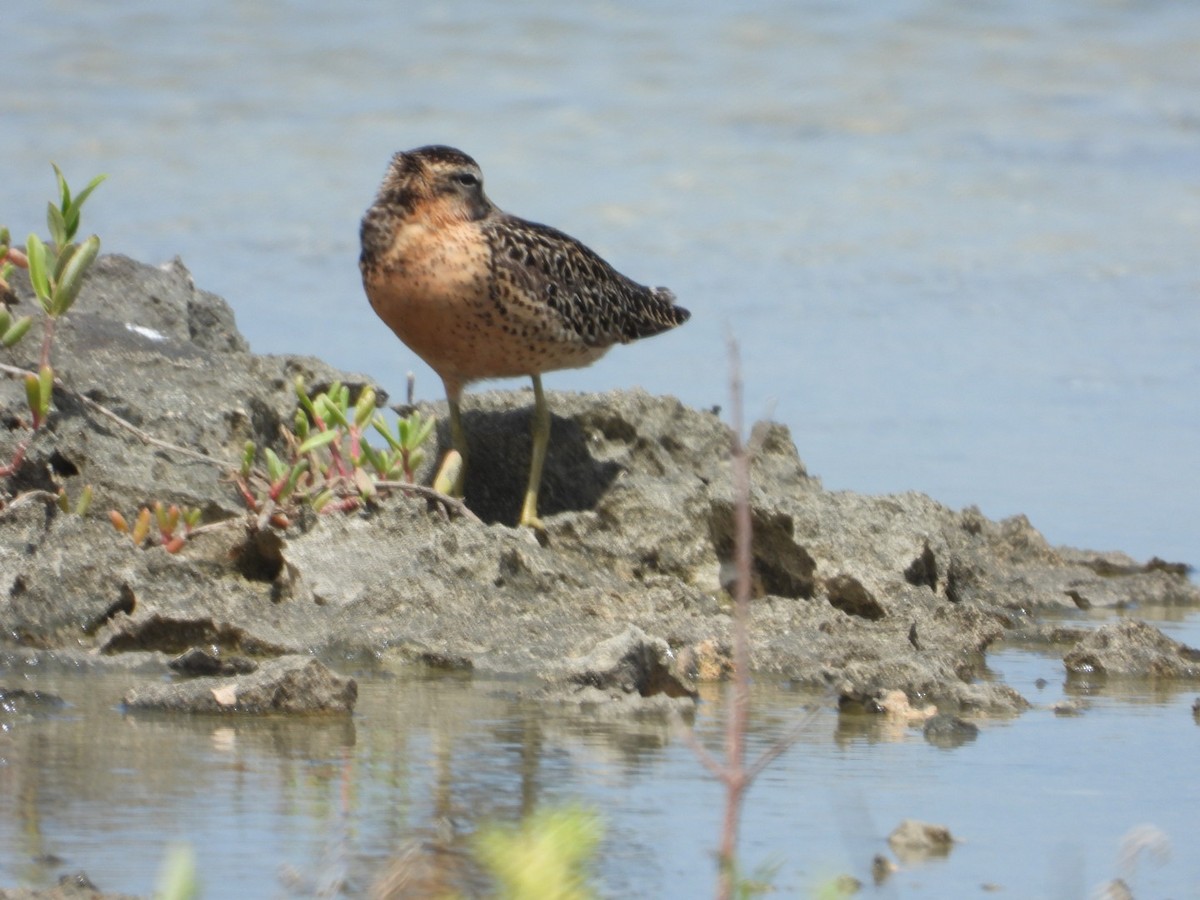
[(478, 293)]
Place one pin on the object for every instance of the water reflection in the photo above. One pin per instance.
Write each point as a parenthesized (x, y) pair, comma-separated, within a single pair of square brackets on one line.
[(392, 796)]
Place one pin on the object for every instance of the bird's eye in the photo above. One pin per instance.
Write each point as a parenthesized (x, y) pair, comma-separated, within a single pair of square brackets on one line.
[(467, 179)]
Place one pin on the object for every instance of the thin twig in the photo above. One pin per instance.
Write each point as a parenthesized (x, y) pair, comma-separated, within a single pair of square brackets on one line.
[(29, 497), (733, 772), (451, 503)]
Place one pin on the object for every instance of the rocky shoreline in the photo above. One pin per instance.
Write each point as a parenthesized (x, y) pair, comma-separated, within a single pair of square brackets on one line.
[(857, 595)]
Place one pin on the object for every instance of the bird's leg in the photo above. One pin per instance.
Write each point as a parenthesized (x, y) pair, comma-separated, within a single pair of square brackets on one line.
[(541, 437), (452, 474)]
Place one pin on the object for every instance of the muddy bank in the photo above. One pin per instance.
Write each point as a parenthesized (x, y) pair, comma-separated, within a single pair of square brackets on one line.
[(855, 594)]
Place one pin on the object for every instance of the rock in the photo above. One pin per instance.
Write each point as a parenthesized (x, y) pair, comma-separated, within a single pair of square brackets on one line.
[(914, 841), (882, 868), (290, 684), (948, 731), (631, 663), (76, 886), (1132, 648), (1070, 707), (632, 670), (864, 595), (196, 662)]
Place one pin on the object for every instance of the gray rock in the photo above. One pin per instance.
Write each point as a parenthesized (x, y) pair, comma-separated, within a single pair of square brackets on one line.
[(914, 841), (858, 595), (1070, 707), (948, 731), (289, 684), (1132, 648), (631, 670), (75, 886), (198, 663)]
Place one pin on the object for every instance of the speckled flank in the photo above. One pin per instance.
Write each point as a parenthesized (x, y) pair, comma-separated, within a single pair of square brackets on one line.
[(477, 293)]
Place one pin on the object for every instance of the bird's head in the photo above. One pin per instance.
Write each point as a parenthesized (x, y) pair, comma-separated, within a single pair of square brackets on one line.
[(436, 181)]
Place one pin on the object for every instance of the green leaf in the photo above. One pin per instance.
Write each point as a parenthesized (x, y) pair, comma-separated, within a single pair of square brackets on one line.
[(426, 429), (38, 277), (249, 451), (60, 263), (365, 408), (75, 207), (294, 478), (162, 517), (85, 501), (300, 423), (17, 331), (57, 225), (275, 468), (46, 386), (64, 192), (67, 288), (316, 441), (33, 396), (374, 459), (335, 414), (302, 396), (381, 427)]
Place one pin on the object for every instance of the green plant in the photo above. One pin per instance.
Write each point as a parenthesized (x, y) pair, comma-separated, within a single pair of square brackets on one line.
[(327, 463), (177, 878), (543, 858), (56, 273), (82, 505)]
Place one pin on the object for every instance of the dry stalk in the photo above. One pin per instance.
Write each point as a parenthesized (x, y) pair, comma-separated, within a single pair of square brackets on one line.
[(734, 773)]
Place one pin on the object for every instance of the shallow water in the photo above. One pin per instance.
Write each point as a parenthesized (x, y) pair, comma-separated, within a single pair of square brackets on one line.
[(296, 808), (958, 245)]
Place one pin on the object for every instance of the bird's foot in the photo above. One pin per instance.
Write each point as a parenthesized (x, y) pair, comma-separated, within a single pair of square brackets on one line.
[(529, 517), (449, 479)]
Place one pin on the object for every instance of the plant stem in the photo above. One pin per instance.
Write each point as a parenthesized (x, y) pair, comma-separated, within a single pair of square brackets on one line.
[(735, 775), (48, 323)]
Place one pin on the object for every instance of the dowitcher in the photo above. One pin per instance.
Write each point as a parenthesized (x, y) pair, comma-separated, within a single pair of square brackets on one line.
[(477, 293)]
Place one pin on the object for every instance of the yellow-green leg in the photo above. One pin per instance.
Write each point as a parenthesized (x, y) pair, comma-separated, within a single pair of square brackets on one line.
[(451, 476), (541, 437)]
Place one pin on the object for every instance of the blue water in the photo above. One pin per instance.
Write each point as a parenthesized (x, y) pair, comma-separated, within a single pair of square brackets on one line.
[(958, 245), (1038, 805)]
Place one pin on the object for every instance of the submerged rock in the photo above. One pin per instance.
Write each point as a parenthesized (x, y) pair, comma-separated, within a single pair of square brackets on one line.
[(947, 731), (631, 670), (914, 841), (1132, 648), (855, 594), (197, 662), (290, 684)]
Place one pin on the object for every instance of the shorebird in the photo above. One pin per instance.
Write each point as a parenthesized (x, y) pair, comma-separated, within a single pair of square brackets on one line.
[(477, 293)]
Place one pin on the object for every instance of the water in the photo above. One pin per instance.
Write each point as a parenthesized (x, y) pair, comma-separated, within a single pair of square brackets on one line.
[(957, 243), (278, 808)]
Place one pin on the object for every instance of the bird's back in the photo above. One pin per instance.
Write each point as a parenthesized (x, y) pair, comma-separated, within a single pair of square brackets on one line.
[(571, 285)]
